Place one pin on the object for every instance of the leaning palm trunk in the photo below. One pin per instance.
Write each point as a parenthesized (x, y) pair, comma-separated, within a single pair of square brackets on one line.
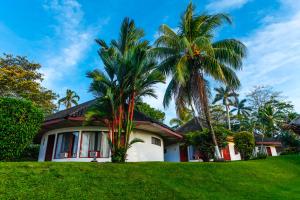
[(228, 117), (202, 100)]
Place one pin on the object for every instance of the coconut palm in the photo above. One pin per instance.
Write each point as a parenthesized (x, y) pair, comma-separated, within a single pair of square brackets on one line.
[(227, 96), (185, 116), (240, 108), (70, 99), (129, 74), (191, 55)]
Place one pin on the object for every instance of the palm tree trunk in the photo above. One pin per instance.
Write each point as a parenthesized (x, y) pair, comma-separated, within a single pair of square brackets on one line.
[(228, 117), (204, 106)]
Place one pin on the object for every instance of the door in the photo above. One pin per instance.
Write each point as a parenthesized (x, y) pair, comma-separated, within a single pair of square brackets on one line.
[(183, 154), (226, 153), (50, 145), (269, 151)]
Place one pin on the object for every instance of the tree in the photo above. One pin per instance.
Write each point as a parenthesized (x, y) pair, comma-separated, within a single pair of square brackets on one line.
[(70, 98), (151, 112), (129, 74), (240, 108), (184, 116), (20, 121), (245, 143), (190, 55), (227, 96), (260, 95), (202, 141), (20, 78)]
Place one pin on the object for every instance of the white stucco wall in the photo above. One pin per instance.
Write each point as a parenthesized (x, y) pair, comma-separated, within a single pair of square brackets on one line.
[(233, 156), (138, 152), (273, 150), (145, 151), (172, 153)]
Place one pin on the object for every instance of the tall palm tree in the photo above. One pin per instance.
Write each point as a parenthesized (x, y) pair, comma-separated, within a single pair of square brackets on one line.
[(129, 74), (70, 99), (191, 55), (240, 108), (185, 116), (227, 96)]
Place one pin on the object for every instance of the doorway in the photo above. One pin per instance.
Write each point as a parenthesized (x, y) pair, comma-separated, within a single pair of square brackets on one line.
[(183, 154), (49, 150), (269, 151)]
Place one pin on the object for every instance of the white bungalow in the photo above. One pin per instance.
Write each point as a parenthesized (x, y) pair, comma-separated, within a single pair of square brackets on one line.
[(64, 137), (178, 152)]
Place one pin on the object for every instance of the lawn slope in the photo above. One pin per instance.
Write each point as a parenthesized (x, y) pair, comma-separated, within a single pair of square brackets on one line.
[(274, 178)]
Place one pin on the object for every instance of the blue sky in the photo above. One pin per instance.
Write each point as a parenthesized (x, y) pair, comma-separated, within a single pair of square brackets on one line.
[(60, 35)]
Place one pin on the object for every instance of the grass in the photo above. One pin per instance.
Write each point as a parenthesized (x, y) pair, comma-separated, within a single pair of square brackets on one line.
[(273, 178)]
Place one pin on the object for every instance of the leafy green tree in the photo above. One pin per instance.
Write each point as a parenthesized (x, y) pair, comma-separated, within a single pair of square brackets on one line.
[(245, 143), (151, 112), (228, 97), (184, 116), (20, 121), (70, 99), (191, 55), (129, 74), (241, 109), (21, 78), (202, 141)]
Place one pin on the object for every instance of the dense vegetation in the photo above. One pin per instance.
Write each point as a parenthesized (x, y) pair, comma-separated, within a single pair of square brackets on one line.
[(20, 121), (273, 178), (20, 78)]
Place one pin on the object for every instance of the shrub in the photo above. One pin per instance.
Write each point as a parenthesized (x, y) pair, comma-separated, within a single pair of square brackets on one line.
[(30, 153), (245, 143), (289, 151), (202, 142), (20, 121), (259, 155)]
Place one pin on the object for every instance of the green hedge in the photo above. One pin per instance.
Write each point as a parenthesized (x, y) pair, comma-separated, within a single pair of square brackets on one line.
[(20, 121), (245, 143)]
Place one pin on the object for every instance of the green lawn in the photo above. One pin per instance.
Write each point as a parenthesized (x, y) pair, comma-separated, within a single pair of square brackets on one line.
[(274, 178)]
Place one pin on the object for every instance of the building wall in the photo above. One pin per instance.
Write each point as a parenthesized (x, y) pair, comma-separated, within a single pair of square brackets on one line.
[(138, 152), (233, 155), (145, 151), (172, 153)]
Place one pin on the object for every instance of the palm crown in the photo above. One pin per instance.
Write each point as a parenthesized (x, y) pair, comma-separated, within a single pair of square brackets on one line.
[(190, 56), (70, 99)]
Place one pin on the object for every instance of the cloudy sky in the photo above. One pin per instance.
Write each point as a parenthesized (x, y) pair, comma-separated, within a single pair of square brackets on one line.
[(60, 35)]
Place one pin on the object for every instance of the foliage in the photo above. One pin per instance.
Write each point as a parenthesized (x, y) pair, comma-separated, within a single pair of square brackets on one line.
[(202, 141), (21, 78), (289, 151), (245, 143), (150, 112), (260, 155), (129, 74), (70, 98), (191, 55), (30, 153), (260, 95), (184, 116), (20, 121), (241, 109), (228, 98), (290, 140)]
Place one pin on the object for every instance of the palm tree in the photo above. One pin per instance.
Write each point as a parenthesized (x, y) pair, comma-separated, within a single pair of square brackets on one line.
[(70, 99), (240, 108), (227, 96), (185, 116), (190, 55), (129, 74)]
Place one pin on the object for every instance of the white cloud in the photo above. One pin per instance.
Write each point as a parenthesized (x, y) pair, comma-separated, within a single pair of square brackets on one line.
[(225, 5), (71, 42), (274, 56)]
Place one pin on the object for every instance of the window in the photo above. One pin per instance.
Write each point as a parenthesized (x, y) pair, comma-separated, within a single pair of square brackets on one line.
[(94, 144), (156, 141), (236, 151), (66, 145)]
